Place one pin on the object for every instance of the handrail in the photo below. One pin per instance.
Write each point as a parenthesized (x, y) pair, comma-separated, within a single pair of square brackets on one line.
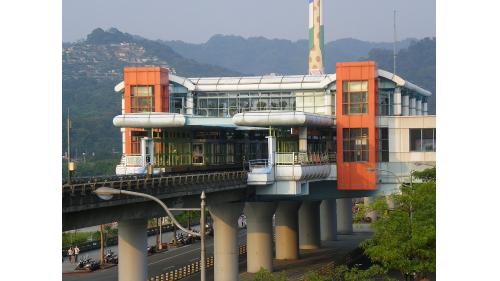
[(182, 178), (303, 158)]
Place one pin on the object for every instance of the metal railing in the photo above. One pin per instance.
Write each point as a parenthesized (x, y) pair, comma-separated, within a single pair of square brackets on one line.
[(191, 269), (303, 158), (131, 160), (166, 181), (258, 163)]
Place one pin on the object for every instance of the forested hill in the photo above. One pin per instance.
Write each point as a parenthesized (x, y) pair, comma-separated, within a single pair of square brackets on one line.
[(259, 55), (91, 69), (417, 64)]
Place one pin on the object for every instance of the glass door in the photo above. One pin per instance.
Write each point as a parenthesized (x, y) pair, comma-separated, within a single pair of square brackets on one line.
[(198, 154)]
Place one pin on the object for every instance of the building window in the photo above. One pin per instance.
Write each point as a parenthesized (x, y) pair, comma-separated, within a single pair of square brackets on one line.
[(142, 99), (423, 139), (355, 144), (355, 97), (385, 102), (135, 142), (383, 145)]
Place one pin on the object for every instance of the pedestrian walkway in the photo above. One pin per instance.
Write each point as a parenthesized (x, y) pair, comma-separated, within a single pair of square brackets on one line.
[(311, 260)]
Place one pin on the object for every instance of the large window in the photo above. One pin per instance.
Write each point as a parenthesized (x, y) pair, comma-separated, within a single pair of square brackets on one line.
[(228, 104), (423, 139), (383, 145), (355, 144), (355, 97), (142, 99)]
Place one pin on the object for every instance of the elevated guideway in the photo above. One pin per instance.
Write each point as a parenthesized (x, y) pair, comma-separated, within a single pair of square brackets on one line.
[(81, 207)]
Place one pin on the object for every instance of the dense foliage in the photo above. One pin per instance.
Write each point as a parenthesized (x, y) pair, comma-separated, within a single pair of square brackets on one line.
[(405, 236)]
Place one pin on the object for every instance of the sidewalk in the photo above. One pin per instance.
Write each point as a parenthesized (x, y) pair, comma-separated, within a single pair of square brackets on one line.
[(310, 260)]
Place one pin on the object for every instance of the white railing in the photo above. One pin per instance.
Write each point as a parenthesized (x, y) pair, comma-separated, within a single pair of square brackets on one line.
[(303, 158), (257, 163), (133, 161)]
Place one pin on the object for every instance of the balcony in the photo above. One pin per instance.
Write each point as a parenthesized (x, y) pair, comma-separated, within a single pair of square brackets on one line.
[(291, 166)]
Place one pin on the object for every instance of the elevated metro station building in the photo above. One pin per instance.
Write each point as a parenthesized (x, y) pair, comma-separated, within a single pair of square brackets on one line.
[(287, 130), (310, 143)]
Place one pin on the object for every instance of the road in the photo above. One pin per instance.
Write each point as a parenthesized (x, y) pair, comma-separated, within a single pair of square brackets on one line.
[(158, 263)]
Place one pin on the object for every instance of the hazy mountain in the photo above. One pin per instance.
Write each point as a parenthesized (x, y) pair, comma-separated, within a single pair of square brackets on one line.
[(259, 55), (417, 64)]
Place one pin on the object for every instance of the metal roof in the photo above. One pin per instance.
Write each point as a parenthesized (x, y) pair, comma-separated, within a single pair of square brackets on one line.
[(273, 82)]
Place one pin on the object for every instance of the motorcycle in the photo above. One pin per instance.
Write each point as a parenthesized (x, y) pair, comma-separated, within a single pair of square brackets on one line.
[(87, 264), (110, 257)]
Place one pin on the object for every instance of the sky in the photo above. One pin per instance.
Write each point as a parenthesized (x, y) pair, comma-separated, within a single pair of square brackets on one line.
[(195, 21)]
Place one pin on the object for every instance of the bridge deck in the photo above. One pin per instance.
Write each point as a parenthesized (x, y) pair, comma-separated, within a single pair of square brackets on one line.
[(79, 195)]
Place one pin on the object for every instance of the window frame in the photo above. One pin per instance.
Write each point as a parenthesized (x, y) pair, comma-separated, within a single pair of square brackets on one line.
[(421, 145), (347, 95), (360, 142)]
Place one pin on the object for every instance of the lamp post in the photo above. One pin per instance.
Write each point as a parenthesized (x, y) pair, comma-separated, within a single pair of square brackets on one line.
[(106, 193)]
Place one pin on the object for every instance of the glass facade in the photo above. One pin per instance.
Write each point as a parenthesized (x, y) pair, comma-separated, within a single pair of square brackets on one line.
[(355, 97), (383, 144), (142, 99), (355, 144), (227, 104), (423, 140)]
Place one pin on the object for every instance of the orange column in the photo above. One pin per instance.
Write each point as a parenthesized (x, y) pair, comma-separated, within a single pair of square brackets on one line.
[(354, 175)]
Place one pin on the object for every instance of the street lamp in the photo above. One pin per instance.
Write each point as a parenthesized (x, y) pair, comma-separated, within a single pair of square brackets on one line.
[(106, 193)]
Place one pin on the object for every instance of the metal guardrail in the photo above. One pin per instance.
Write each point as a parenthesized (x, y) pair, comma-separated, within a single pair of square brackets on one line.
[(303, 158), (142, 183), (190, 269), (258, 163)]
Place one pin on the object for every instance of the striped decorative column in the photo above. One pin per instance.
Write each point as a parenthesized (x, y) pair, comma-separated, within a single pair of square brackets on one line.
[(316, 39)]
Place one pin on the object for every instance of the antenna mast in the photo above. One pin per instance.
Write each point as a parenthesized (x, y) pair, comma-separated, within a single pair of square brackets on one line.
[(394, 47)]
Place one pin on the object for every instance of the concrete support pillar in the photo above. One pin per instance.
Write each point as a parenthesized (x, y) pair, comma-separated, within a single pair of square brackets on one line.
[(226, 251), (309, 229), (406, 106), (344, 216), (413, 106), (286, 228), (424, 108), (328, 217), (259, 235), (396, 105), (189, 103), (303, 139), (132, 244), (368, 201), (419, 106), (271, 149)]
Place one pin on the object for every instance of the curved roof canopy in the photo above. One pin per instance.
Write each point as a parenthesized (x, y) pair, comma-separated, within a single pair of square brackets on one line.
[(273, 82), (282, 118)]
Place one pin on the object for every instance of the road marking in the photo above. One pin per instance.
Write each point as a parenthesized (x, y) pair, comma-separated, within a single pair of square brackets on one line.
[(173, 256)]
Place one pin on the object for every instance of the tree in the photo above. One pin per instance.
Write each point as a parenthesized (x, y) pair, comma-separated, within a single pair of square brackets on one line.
[(405, 236)]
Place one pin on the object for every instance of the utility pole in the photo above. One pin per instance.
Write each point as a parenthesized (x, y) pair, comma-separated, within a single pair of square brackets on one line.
[(102, 244), (394, 47), (68, 125), (202, 232)]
